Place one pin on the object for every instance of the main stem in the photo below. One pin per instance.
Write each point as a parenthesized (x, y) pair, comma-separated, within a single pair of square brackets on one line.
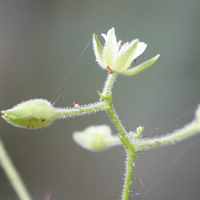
[(111, 112), (122, 135), (129, 171), (129, 148)]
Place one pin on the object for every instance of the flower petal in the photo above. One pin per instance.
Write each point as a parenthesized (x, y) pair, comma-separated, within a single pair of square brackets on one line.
[(98, 50), (140, 49), (125, 56), (104, 36), (111, 47)]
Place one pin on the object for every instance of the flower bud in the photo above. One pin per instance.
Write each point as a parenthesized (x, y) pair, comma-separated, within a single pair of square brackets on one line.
[(93, 138), (35, 113)]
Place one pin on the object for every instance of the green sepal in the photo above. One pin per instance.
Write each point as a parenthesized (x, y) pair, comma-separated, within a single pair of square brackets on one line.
[(98, 50), (141, 67), (125, 57)]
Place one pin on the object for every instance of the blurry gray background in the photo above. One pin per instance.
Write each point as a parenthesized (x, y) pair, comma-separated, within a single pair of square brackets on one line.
[(40, 41)]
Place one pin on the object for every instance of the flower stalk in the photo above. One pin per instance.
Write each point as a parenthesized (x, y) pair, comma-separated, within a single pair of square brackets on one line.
[(108, 84), (86, 109)]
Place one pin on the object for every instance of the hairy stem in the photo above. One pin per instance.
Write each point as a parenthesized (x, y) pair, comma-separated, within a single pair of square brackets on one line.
[(129, 148), (122, 133), (86, 109), (108, 84), (187, 131), (12, 174), (129, 171)]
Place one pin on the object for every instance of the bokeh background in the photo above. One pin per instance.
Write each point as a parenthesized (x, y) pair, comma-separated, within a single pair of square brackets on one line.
[(40, 45)]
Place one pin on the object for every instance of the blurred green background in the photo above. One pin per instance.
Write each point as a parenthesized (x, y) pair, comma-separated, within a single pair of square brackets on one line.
[(41, 41)]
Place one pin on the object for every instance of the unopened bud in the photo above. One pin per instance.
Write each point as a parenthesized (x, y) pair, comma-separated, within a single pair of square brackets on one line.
[(93, 138), (35, 113)]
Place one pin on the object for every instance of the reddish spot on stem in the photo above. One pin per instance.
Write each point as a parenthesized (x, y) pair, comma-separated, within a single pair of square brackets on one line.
[(76, 105)]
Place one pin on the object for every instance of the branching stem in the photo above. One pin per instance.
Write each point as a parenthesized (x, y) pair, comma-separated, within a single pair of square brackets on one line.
[(132, 143), (122, 135), (187, 131)]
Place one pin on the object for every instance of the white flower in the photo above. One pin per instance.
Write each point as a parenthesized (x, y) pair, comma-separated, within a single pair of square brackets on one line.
[(116, 58)]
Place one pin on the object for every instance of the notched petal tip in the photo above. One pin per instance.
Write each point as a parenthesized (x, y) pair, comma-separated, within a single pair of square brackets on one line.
[(141, 46)]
